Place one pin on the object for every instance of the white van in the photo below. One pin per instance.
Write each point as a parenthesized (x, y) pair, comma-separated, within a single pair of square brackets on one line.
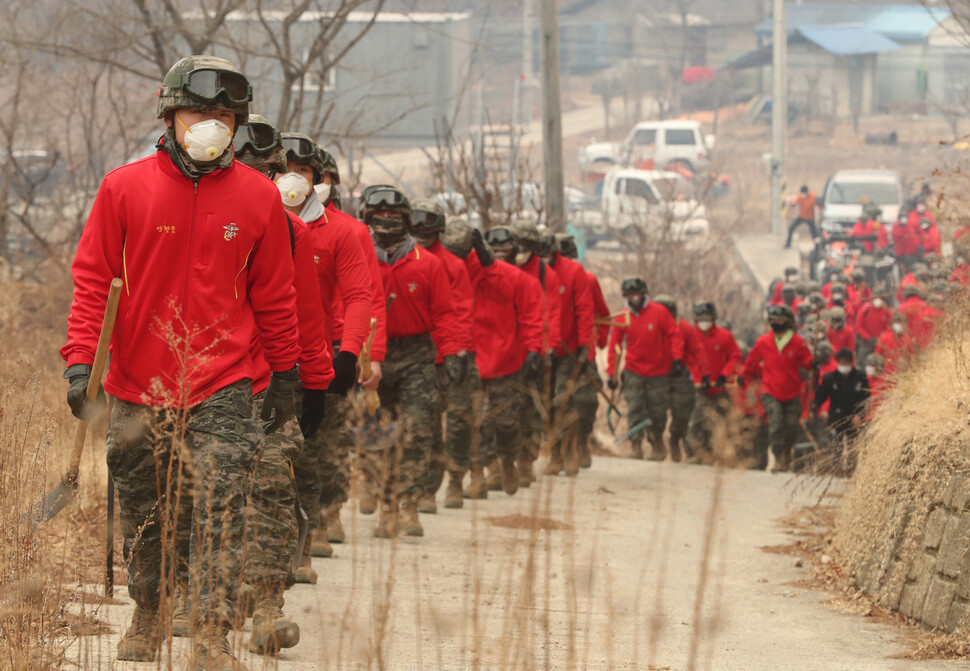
[(847, 190), (658, 144)]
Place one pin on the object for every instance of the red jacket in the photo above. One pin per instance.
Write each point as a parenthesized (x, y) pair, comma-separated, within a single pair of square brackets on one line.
[(868, 229), (316, 361), (920, 320), (695, 356), (342, 271), (378, 305), (551, 302), (576, 305), (896, 349), (653, 341), (508, 316), (722, 354), (906, 236), (204, 268), (779, 371), (930, 239), (422, 302), (871, 321), (843, 337), (461, 296), (600, 311)]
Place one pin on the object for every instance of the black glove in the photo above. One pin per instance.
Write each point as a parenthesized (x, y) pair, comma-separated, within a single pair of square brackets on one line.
[(457, 367), (532, 367), (77, 393), (344, 373), (612, 383), (485, 256), (314, 410), (720, 382), (279, 404), (706, 382), (677, 369)]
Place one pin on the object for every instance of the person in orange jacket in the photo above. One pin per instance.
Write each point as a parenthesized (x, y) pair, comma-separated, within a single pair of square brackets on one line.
[(421, 322), (654, 353)]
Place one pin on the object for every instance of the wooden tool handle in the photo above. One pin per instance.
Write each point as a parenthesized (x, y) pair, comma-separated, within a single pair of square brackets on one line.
[(97, 371), (370, 395)]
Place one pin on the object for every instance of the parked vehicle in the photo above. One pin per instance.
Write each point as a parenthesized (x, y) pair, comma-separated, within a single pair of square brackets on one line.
[(657, 144), (659, 203), (847, 190)]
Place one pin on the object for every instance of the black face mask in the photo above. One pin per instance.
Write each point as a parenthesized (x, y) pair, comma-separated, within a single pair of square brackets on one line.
[(389, 233), (423, 237), (506, 254), (636, 302), (779, 327)]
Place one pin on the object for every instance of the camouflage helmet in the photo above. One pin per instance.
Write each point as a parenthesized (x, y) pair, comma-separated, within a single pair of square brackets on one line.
[(567, 245), (837, 313), (499, 237), (383, 198), (779, 312), (547, 243), (524, 230), (633, 285), (258, 143), (205, 82), (668, 302), (910, 290), (825, 349), (427, 214), (330, 167), (705, 309), (877, 361), (457, 236), (303, 150)]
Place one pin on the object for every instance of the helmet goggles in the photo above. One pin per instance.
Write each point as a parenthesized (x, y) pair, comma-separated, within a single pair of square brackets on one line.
[(257, 138), (207, 85)]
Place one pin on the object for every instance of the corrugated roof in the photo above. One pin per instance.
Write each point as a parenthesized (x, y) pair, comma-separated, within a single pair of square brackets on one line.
[(906, 23), (838, 40), (847, 40)]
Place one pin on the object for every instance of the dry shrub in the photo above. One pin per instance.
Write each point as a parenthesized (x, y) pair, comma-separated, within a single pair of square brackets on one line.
[(907, 456)]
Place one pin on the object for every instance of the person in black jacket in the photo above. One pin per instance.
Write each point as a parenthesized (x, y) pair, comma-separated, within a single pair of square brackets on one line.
[(847, 390)]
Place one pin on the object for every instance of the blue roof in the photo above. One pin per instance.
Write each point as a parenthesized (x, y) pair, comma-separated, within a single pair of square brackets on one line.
[(904, 23), (847, 40)]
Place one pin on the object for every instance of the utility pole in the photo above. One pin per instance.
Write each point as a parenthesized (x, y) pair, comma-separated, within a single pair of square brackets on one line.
[(779, 117), (551, 116), (525, 79)]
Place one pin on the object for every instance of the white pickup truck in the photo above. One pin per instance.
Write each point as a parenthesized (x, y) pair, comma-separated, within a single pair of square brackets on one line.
[(659, 203)]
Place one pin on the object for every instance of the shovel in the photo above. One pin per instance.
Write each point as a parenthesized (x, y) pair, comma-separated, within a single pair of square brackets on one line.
[(66, 489)]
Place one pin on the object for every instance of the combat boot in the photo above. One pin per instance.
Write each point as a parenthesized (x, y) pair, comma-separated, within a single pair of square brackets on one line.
[(675, 449), (510, 476), (367, 501), (570, 463), (246, 599), (494, 476), (427, 504), (182, 618), (387, 523), (272, 630), (555, 466), (453, 494), (409, 521), (477, 487), (658, 451), (320, 547), (636, 450), (335, 529), (140, 642), (526, 473), (213, 653), (585, 458), (305, 574)]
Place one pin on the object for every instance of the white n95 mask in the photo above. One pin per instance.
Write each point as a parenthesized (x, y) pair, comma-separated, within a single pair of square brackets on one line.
[(207, 140), (294, 188)]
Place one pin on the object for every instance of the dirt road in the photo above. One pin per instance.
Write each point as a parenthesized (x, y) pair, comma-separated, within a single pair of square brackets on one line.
[(633, 565)]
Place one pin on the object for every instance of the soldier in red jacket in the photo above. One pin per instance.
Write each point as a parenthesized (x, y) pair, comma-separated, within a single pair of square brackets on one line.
[(895, 345), (341, 267), (723, 364), (457, 400), (421, 323), (526, 237), (571, 353), (654, 352), (204, 250), (508, 338), (778, 358), (872, 320), (273, 528), (682, 386), (839, 333), (589, 385)]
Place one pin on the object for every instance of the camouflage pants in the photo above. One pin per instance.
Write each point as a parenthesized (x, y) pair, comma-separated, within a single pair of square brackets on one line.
[(272, 524), (647, 398), (681, 405), (409, 395), (783, 419), (461, 405), (323, 466), (567, 376), (586, 399), (501, 426), (709, 411), (182, 478)]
